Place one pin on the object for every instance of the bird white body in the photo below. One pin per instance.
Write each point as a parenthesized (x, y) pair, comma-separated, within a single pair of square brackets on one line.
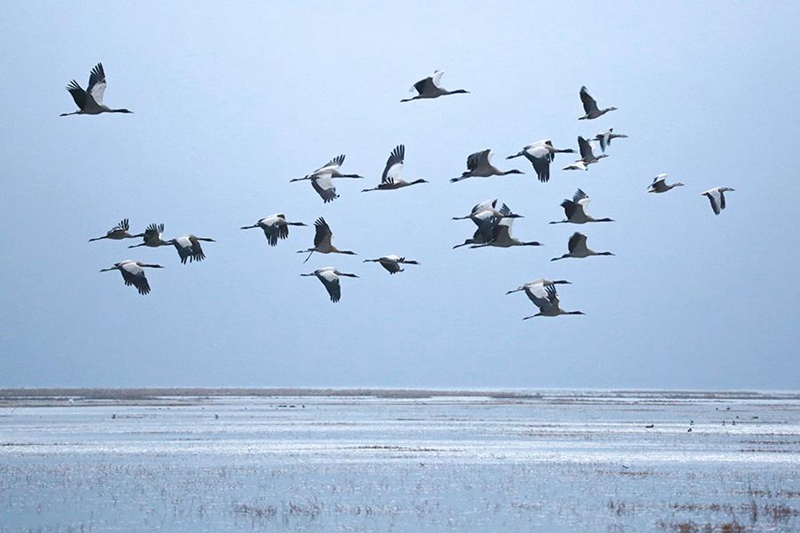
[(275, 227), (486, 215), (133, 274), (717, 198), (541, 154), (543, 294), (189, 248), (534, 290), (605, 138), (576, 165), (329, 277), (322, 178), (479, 166)]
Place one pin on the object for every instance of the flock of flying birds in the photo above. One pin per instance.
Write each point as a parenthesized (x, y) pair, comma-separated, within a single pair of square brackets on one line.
[(492, 219)]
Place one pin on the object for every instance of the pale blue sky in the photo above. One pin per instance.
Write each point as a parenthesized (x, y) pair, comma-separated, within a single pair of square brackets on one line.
[(229, 104)]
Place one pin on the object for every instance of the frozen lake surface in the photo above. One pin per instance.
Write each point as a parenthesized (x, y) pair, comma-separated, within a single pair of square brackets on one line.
[(404, 462)]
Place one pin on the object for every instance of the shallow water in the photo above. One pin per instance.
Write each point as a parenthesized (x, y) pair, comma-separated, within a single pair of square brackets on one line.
[(566, 461)]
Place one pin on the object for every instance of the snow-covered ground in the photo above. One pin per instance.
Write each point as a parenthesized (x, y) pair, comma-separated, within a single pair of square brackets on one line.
[(561, 461)]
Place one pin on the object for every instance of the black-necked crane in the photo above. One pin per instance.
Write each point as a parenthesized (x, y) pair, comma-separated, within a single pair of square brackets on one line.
[(322, 241), (577, 248), (275, 227), (119, 232), (502, 238), (485, 215), (575, 210), (152, 237), (717, 198), (605, 138), (479, 166), (431, 87), (491, 207), (590, 106), (90, 101), (587, 156), (477, 238), (535, 290), (541, 154), (322, 178), (391, 173), (329, 277), (529, 287), (392, 262), (576, 165), (659, 184), (189, 248), (545, 297), (133, 274)]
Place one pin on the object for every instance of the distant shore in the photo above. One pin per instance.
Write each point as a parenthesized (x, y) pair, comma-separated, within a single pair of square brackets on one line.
[(193, 394)]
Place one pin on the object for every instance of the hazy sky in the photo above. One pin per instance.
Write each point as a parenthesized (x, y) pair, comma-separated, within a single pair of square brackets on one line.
[(232, 102)]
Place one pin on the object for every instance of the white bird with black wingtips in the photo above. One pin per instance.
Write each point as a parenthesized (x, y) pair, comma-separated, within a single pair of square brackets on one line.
[(329, 277), (717, 198), (545, 297), (275, 227), (133, 274), (322, 178), (189, 247), (605, 138), (541, 154)]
